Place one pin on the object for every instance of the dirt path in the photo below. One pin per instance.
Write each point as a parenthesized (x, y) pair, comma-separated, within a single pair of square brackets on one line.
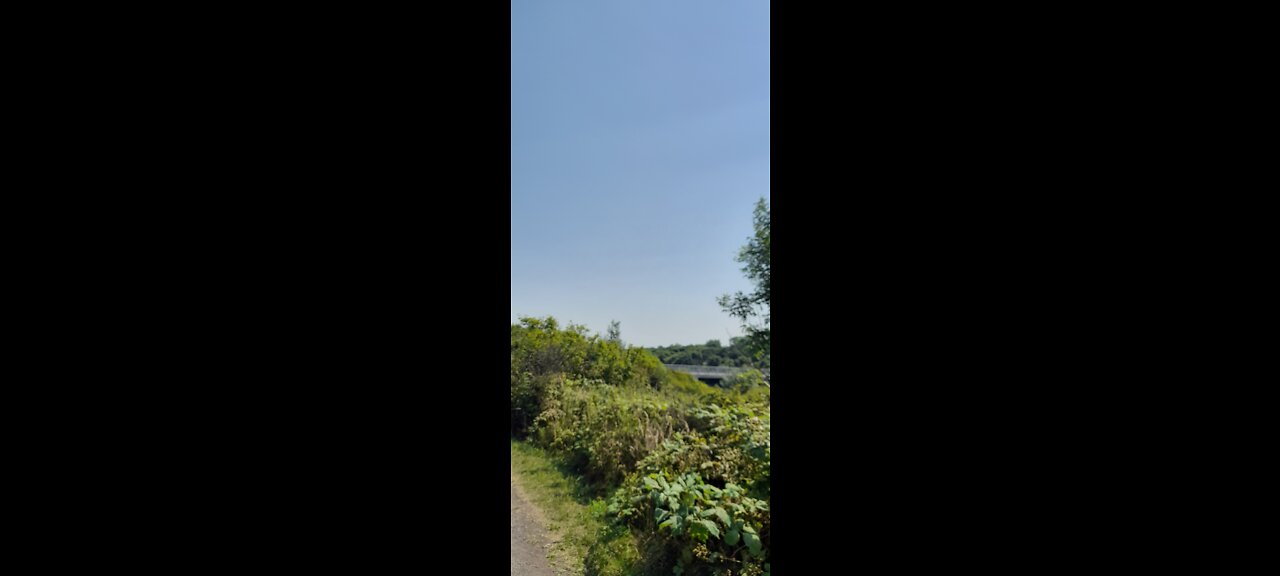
[(529, 544)]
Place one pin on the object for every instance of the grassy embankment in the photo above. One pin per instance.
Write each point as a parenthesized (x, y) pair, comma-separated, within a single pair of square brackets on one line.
[(584, 542)]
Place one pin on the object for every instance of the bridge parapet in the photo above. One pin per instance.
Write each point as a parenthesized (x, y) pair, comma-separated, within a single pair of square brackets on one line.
[(706, 371)]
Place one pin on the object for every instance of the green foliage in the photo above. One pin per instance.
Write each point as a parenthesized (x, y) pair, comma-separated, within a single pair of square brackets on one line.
[(709, 529), (724, 445), (744, 382), (539, 347), (615, 332), (603, 430), (726, 456), (543, 355), (752, 309), (587, 541), (616, 417), (738, 353), (740, 445), (614, 553)]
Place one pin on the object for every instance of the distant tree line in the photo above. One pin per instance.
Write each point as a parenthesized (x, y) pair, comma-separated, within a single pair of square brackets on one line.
[(739, 353)]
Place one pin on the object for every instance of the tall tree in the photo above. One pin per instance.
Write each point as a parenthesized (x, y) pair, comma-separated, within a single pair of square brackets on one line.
[(752, 309)]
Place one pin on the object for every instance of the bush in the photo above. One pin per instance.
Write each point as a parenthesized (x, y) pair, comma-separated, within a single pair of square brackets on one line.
[(745, 381), (603, 431), (709, 530), (724, 460), (689, 462)]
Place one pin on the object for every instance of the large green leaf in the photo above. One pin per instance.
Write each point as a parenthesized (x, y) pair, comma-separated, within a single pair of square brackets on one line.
[(711, 527), (731, 537), (753, 542)]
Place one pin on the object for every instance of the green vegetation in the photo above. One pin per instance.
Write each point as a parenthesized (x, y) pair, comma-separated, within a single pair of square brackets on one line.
[(739, 352), (644, 470), (753, 308), (587, 540), (617, 420)]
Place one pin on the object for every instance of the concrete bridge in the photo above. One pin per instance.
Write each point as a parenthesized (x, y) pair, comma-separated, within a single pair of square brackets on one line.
[(708, 374)]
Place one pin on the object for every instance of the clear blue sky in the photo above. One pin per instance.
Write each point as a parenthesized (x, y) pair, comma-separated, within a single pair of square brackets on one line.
[(639, 145)]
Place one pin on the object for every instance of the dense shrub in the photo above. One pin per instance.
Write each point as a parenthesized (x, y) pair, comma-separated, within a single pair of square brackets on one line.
[(745, 381), (722, 461), (737, 353), (709, 530), (688, 463), (603, 430)]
